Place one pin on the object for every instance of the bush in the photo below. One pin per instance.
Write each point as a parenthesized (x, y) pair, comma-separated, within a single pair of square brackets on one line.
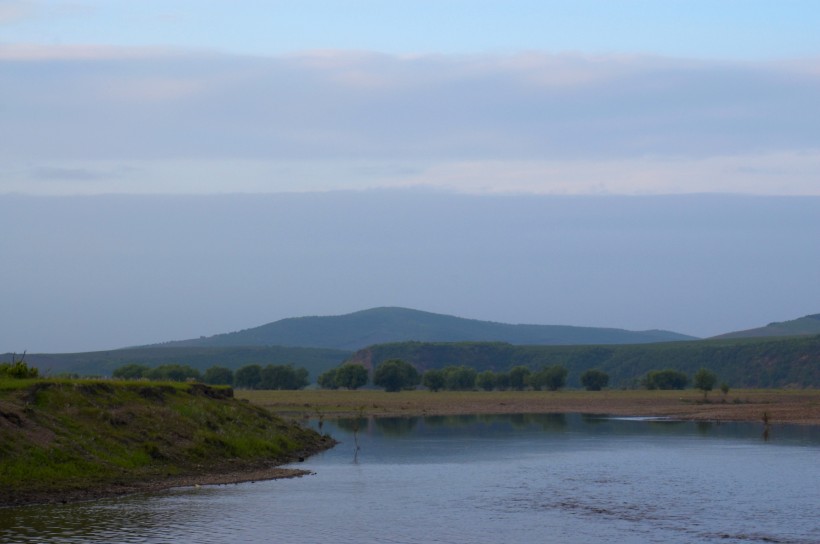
[(395, 375), (18, 370), (130, 372), (665, 379), (594, 379), (552, 378), (351, 376), (433, 380)]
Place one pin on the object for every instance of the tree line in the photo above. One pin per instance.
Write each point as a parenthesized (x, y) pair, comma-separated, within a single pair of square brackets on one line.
[(251, 376)]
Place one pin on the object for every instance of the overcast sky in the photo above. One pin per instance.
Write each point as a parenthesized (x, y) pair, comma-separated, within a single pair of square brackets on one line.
[(364, 102)]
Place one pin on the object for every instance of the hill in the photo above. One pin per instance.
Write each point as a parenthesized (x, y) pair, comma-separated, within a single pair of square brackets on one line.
[(380, 325), (809, 324), (745, 362)]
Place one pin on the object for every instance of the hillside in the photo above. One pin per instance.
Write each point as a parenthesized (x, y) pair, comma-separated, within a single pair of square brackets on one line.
[(809, 324), (103, 363), (380, 325), (750, 363), (79, 439)]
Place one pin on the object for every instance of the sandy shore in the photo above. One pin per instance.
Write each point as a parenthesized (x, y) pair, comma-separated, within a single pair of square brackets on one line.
[(778, 406)]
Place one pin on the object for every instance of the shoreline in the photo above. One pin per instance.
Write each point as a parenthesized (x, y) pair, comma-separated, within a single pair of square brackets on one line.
[(800, 407), (224, 474)]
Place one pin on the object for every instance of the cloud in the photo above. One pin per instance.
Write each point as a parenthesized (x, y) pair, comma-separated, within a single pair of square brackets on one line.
[(453, 117)]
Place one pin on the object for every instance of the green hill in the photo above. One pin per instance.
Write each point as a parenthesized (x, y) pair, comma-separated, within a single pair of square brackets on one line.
[(809, 324), (756, 362), (379, 325)]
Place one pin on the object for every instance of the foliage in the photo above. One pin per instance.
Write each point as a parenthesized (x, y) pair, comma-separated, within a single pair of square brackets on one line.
[(459, 378), (433, 380), (286, 377), (248, 377), (519, 377), (594, 379), (173, 373), (327, 379), (351, 376), (218, 375), (395, 375), (665, 379), (131, 372), (705, 380), (551, 378), (18, 369), (486, 380)]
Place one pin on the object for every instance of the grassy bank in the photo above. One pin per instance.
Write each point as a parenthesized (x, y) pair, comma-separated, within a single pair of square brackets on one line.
[(780, 406), (74, 439)]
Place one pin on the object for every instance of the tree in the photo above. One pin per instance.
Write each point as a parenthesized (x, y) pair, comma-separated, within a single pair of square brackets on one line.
[(327, 379), (395, 375), (519, 375), (459, 378), (433, 380), (502, 381), (173, 373), (218, 375), (248, 377), (665, 379), (594, 379), (283, 377), (485, 380), (130, 372), (351, 376), (552, 378), (705, 380)]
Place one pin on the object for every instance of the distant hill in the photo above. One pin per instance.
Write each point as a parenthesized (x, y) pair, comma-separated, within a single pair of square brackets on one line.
[(380, 325), (809, 324), (740, 362)]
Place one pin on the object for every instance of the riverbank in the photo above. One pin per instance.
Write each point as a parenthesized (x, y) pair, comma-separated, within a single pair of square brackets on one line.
[(777, 406), (68, 440)]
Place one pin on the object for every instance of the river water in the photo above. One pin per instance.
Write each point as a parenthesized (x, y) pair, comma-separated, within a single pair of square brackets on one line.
[(487, 479)]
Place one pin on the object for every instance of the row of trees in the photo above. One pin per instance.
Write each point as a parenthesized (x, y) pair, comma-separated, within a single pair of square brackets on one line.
[(246, 377), (704, 380), (396, 375)]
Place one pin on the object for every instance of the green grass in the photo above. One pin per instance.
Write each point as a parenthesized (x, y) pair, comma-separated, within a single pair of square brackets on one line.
[(71, 434)]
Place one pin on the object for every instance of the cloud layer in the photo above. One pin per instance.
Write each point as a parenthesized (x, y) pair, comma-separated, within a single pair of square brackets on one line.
[(553, 123)]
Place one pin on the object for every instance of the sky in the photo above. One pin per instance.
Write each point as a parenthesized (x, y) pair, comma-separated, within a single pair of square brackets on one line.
[(621, 104)]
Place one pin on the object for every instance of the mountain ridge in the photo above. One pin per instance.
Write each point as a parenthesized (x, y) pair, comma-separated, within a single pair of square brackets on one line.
[(806, 325), (395, 324)]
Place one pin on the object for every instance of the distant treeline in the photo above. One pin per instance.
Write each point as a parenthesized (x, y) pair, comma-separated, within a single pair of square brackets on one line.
[(748, 363), (246, 377), (103, 363)]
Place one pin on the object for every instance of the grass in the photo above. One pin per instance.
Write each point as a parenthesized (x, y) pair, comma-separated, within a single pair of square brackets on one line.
[(794, 406), (62, 435)]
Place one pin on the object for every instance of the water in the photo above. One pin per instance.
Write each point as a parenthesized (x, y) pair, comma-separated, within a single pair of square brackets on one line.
[(487, 479)]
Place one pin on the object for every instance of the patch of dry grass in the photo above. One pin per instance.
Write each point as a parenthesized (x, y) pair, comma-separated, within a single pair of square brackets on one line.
[(782, 406)]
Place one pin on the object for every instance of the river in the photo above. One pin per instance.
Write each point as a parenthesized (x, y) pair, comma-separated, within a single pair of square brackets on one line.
[(487, 479)]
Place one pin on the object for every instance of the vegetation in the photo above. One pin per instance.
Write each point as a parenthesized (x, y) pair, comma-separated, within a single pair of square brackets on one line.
[(350, 376), (665, 379), (745, 363), (594, 379), (68, 438), (18, 369), (395, 375), (104, 363), (705, 380)]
